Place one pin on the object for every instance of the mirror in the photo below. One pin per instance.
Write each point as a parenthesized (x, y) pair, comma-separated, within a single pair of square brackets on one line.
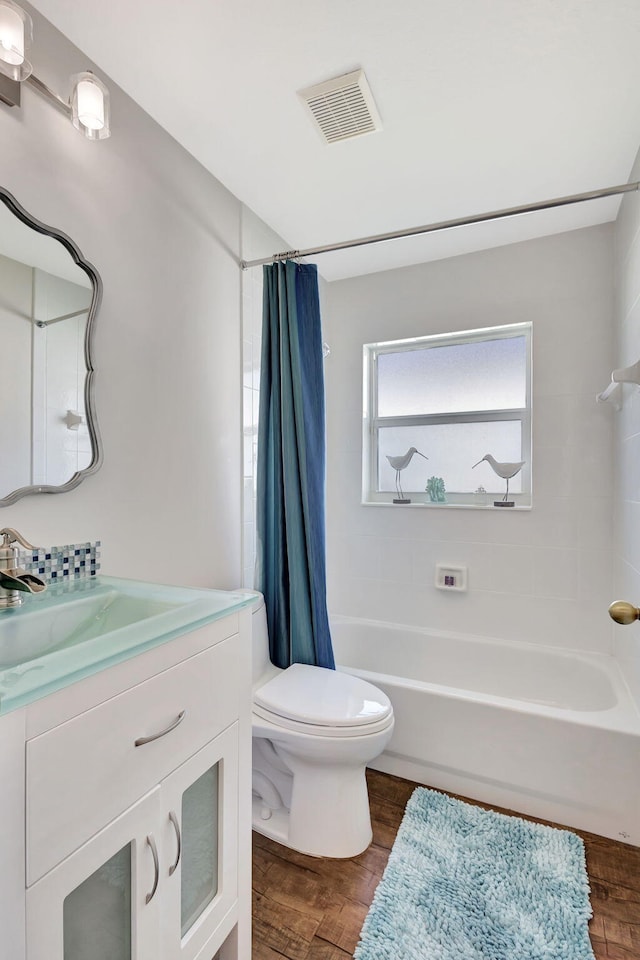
[(49, 297)]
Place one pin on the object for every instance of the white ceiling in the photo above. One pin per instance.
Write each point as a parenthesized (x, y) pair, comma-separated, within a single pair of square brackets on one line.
[(485, 104)]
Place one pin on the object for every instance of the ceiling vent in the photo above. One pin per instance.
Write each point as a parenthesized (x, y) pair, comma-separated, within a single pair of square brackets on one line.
[(343, 107)]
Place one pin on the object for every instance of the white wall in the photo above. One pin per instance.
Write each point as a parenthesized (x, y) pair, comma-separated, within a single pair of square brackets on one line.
[(258, 241), (542, 576), (627, 433), (164, 235)]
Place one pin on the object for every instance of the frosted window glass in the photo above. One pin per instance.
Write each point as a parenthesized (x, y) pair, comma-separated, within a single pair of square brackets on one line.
[(199, 846), (452, 449), (97, 914), (478, 375)]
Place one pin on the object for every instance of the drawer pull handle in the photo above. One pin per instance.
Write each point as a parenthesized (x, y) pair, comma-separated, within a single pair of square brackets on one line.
[(176, 827), (156, 736), (156, 867)]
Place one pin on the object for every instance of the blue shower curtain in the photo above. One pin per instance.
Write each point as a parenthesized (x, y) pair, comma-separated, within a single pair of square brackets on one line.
[(290, 509)]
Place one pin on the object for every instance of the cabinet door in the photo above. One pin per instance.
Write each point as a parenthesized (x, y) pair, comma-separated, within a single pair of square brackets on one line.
[(200, 880), (94, 904)]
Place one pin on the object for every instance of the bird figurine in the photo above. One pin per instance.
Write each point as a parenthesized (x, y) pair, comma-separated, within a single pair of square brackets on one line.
[(398, 464), (504, 470)]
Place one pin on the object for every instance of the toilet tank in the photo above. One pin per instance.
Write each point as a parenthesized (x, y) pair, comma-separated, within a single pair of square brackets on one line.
[(261, 664)]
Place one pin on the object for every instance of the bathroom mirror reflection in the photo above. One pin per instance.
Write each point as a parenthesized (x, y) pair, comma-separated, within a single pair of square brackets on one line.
[(49, 296)]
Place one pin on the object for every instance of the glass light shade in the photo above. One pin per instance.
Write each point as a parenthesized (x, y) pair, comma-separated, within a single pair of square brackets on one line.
[(16, 30), (90, 111)]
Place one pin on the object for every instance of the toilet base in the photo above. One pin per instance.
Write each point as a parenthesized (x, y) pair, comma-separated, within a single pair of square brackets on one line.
[(341, 847), (325, 812)]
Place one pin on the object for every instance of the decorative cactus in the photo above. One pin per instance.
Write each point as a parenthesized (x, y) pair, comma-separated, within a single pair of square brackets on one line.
[(435, 489)]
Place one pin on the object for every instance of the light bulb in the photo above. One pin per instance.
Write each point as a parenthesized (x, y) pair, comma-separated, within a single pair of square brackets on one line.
[(90, 106), (15, 38)]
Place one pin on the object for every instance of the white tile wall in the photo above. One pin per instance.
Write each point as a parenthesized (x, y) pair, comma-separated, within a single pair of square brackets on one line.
[(627, 431), (545, 575)]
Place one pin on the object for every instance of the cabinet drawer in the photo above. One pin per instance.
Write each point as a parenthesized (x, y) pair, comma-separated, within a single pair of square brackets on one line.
[(85, 772)]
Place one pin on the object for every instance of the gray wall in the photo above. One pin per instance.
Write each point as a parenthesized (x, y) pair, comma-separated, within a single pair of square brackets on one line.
[(164, 235)]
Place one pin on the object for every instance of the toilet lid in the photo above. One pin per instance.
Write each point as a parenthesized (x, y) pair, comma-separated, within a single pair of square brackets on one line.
[(323, 697)]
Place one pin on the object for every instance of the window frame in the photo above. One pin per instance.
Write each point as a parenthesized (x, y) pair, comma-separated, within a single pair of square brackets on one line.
[(372, 423)]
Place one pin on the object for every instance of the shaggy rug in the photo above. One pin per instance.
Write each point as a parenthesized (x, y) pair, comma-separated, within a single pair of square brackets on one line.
[(468, 884)]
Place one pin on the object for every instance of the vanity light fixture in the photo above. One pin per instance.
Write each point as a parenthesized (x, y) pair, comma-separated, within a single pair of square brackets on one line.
[(88, 106)]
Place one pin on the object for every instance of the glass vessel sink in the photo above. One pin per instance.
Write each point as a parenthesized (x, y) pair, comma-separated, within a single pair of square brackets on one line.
[(61, 636)]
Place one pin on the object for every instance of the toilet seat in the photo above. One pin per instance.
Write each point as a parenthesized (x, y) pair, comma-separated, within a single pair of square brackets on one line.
[(323, 702), (269, 725)]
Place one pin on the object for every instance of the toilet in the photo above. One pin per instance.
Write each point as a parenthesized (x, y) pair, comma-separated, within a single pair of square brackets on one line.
[(314, 731)]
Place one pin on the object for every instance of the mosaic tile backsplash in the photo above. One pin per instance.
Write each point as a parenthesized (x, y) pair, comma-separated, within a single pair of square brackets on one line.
[(55, 565)]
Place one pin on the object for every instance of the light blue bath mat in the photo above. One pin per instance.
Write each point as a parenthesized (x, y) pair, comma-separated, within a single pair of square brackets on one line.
[(468, 884)]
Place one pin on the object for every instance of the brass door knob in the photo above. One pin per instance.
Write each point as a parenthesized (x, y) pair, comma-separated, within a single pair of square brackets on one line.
[(623, 612)]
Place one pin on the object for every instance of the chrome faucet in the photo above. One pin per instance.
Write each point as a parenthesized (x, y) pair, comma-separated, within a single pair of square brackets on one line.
[(14, 581)]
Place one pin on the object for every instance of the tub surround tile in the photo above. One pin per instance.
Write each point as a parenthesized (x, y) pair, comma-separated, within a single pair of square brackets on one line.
[(396, 560), (517, 588), (553, 471), (553, 419), (626, 639), (361, 556), (628, 545), (552, 621), (629, 468), (509, 569), (556, 572), (555, 521), (595, 528), (425, 556), (628, 336), (593, 587)]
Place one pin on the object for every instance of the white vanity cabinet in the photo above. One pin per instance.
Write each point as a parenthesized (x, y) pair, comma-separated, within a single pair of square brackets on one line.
[(157, 881), (136, 820)]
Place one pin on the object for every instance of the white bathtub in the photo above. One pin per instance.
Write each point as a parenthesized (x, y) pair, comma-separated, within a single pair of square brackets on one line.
[(547, 732)]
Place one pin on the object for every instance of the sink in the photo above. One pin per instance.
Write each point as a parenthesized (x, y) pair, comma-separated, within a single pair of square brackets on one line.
[(67, 633), (40, 632)]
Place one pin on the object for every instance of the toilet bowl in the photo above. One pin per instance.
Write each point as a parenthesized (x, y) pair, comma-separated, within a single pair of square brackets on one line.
[(314, 732)]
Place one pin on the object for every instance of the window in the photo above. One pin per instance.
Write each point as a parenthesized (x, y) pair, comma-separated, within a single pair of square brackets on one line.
[(455, 398)]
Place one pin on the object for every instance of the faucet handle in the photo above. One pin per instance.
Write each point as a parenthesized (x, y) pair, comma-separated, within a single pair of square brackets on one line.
[(9, 536)]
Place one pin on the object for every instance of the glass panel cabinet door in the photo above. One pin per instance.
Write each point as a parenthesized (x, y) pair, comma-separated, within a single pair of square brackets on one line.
[(200, 818), (96, 916), (93, 905), (200, 802)]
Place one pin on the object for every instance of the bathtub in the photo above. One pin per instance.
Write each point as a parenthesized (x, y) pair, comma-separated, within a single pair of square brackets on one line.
[(547, 732)]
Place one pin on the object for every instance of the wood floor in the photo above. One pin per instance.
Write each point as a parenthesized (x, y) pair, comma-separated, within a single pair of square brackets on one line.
[(310, 909)]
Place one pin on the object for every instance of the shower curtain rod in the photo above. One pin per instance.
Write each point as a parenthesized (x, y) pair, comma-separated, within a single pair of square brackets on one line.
[(446, 224)]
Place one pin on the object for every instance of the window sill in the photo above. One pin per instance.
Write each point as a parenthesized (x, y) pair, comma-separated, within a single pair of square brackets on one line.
[(519, 507)]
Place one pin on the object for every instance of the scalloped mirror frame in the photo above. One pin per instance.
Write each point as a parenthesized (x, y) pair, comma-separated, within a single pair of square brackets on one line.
[(89, 391)]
